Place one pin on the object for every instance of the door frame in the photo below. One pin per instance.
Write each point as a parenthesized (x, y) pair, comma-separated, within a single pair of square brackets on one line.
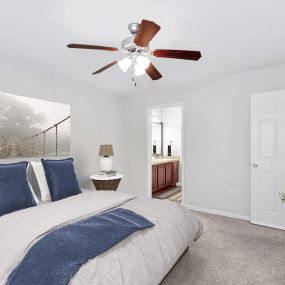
[(149, 146)]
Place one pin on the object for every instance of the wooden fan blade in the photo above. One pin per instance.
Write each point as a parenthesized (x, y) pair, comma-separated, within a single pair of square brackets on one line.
[(92, 47), (105, 67), (147, 31), (152, 72), (178, 54)]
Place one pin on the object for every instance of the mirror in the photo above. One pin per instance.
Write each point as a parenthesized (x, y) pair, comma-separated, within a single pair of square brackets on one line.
[(157, 138)]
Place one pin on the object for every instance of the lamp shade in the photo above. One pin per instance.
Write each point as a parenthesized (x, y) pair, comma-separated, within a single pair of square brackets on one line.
[(106, 150)]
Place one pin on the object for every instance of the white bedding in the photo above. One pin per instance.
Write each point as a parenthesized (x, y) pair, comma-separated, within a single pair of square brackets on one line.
[(143, 258)]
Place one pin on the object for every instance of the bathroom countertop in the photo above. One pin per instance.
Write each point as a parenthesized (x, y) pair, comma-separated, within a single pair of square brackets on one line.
[(163, 160)]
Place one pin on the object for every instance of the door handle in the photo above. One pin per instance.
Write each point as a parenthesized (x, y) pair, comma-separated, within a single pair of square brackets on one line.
[(254, 165)]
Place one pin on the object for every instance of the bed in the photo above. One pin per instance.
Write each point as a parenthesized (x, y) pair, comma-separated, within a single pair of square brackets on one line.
[(145, 257)]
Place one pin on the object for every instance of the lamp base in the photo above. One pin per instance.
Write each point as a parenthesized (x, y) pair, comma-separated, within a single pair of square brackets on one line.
[(106, 163)]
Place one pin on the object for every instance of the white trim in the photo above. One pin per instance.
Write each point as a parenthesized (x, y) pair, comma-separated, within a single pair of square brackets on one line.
[(148, 153), (216, 212), (252, 159), (268, 225), (149, 146)]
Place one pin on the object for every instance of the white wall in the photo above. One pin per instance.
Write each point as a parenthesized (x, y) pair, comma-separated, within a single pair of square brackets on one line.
[(97, 115), (217, 129), (172, 129)]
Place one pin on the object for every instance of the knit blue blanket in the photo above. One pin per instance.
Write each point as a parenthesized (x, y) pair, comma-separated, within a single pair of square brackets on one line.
[(57, 256)]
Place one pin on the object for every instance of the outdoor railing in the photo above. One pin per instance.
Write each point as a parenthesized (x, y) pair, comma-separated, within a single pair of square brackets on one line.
[(32, 141), (4, 144)]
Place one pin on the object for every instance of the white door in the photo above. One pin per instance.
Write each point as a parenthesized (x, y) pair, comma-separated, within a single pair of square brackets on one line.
[(268, 158)]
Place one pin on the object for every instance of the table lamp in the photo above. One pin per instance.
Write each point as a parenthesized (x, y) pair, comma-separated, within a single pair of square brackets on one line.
[(106, 161)]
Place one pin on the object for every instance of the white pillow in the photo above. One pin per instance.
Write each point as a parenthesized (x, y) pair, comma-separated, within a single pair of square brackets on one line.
[(41, 179), (31, 188)]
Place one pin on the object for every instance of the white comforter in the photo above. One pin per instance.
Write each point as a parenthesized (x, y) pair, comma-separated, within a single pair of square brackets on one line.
[(143, 258)]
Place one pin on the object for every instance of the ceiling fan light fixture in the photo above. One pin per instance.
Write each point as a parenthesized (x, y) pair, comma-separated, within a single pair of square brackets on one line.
[(137, 51), (139, 70), (125, 64), (143, 61)]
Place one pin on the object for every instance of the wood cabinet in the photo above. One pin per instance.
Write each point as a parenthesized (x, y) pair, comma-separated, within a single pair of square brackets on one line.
[(164, 175), (175, 173), (154, 178), (161, 176), (168, 174)]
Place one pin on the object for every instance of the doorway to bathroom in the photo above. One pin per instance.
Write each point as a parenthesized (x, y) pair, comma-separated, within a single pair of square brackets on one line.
[(165, 152)]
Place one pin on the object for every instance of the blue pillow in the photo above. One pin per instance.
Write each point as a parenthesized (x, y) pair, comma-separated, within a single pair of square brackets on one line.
[(15, 192), (61, 178)]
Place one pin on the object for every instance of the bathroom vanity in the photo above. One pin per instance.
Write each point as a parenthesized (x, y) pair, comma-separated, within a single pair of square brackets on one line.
[(165, 173)]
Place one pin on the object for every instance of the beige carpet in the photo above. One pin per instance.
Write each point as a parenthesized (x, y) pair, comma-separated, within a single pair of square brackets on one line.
[(232, 251)]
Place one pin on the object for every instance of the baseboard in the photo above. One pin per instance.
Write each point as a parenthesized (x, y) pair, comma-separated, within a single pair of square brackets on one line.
[(220, 213), (232, 215), (268, 225)]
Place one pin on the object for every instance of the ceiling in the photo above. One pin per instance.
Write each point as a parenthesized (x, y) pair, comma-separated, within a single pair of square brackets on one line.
[(233, 36)]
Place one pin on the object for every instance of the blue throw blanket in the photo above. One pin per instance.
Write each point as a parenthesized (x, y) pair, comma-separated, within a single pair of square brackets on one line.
[(56, 257)]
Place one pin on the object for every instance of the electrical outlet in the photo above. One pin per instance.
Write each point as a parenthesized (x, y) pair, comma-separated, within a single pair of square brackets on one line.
[(236, 192)]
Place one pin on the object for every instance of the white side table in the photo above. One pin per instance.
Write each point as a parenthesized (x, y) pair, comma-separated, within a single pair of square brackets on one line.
[(106, 182)]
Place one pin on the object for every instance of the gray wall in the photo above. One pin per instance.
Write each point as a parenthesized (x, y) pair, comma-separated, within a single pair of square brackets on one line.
[(217, 141), (97, 115)]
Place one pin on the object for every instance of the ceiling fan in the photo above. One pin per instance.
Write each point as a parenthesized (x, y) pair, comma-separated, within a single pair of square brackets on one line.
[(136, 48)]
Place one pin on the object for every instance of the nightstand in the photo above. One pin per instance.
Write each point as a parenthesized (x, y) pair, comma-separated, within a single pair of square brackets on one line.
[(106, 182)]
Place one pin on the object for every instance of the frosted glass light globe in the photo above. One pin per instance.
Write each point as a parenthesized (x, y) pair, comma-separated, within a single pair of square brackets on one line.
[(143, 61), (125, 64), (139, 70)]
